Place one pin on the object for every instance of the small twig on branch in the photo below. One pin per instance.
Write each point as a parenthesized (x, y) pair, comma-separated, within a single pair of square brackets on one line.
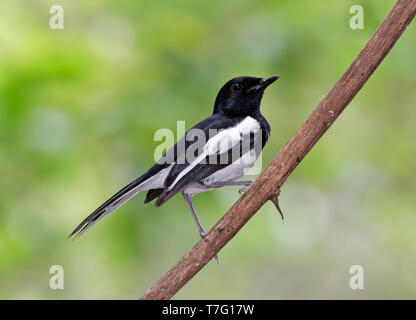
[(267, 186), (274, 197)]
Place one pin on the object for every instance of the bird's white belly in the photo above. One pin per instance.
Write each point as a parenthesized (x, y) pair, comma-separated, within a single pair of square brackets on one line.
[(234, 171)]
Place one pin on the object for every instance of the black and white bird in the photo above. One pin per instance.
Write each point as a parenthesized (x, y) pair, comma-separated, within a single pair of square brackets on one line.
[(214, 153)]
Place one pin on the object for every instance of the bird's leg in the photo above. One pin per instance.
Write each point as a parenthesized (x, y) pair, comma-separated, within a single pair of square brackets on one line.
[(246, 185), (188, 199)]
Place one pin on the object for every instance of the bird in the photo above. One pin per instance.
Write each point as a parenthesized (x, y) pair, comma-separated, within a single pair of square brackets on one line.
[(214, 153)]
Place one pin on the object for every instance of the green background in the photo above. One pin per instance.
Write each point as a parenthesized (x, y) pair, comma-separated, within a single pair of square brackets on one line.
[(79, 108)]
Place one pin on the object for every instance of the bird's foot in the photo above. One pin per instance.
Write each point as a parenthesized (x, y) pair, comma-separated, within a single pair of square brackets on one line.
[(216, 258), (244, 190), (204, 236)]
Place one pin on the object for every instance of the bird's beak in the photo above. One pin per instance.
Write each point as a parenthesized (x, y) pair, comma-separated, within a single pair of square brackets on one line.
[(265, 82)]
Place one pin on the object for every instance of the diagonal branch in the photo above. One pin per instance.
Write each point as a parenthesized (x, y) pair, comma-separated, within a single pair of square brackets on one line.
[(267, 186)]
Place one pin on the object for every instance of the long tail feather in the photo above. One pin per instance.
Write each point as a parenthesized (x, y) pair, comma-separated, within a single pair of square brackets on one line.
[(155, 176), (108, 207)]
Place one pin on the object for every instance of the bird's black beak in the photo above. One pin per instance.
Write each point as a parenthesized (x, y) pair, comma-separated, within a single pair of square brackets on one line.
[(264, 83)]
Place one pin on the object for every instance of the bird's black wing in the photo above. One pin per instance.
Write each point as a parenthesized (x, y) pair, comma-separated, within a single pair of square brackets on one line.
[(219, 152), (198, 173)]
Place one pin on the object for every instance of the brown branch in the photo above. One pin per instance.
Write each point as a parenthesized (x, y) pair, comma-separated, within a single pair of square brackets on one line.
[(267, 186)]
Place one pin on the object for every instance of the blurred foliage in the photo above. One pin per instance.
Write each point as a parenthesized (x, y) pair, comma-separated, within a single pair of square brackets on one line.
[(79, 108)]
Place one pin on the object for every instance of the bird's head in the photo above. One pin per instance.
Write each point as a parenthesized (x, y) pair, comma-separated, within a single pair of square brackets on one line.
[(242, 95)]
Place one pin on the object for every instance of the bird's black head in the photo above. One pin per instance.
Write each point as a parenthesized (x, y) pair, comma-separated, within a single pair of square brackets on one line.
[(242, 95)]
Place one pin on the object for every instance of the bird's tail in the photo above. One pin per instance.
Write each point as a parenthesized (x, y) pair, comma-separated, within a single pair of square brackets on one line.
[(110, 205)]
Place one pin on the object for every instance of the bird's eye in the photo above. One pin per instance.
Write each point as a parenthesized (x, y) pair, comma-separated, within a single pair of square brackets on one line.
[(236, 87)]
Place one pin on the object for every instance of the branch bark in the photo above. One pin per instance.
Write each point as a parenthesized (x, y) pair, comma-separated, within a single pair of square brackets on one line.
[(267, 186)]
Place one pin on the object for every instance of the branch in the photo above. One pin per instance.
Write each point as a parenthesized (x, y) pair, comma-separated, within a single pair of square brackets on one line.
[(267, 186)]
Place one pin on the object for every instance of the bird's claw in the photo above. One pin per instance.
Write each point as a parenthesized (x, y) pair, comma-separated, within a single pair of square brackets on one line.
[(244, 190), (216, 258), (204, 236)]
